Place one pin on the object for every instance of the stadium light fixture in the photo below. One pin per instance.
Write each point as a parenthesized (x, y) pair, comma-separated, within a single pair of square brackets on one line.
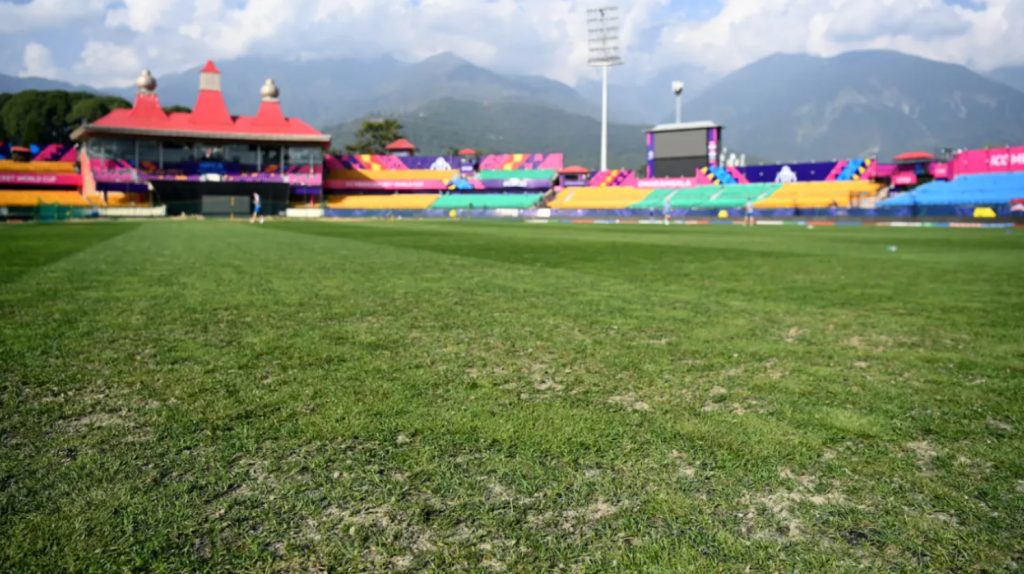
[(603, 41), (677, 89)]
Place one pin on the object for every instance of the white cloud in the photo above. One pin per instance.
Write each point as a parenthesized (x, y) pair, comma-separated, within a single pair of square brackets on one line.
[(140, 15), (46, 14), (526, 36), (746, 30), (38, 62), (110, 64)]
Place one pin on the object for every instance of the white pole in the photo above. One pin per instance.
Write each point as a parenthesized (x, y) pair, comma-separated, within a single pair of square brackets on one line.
[(604, 121), (679, 108)]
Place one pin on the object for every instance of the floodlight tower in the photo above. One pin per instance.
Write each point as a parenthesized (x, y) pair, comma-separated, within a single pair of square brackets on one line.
[(603, 41), (677, 89)]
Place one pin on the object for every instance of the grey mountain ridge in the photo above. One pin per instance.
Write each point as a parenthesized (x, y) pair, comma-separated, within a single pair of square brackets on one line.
[(782, 108)]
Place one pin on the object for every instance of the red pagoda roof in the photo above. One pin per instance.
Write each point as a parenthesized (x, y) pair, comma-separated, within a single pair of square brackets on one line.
[(400, 145), (210, 118), (914, 156), (575, 170), (468, 151), (20, 149)]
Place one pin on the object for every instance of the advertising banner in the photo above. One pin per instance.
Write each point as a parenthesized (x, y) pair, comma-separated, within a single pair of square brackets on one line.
[(939, 170), (397, 185), (904, 178), (999, 160), (516, 183), (61, 179), (667, 183), (788, 173)]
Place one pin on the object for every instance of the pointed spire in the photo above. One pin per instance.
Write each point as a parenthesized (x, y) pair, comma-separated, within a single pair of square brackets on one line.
[(210, 107), (269, 91), (270, 108), (147, 104), (146, 83)]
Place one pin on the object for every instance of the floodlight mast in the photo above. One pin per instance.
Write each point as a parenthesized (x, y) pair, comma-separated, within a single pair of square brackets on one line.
[(603, 41), (677, 89)]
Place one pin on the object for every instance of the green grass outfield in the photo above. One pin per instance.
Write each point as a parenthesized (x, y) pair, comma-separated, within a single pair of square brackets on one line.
[(498, 397)]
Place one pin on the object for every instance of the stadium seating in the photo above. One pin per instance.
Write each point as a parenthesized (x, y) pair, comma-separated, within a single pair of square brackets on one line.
[(708, 196), (394, 201), (817, 195), (736, 196), (393, 175), (11, 166), (545, 174), (722, 175), (487, 201), (122, 199), (598, 197), (654, 200), (853, 170), (31, 198), (694, 198), (986, 189)]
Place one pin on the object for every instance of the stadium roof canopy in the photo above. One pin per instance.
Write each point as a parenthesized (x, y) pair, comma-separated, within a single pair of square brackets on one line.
[(208, 120), (401, 144), (914, 156), (684, 126), (575, 170)]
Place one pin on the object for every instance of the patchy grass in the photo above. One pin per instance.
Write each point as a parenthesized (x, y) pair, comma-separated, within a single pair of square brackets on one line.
[(491, 397)]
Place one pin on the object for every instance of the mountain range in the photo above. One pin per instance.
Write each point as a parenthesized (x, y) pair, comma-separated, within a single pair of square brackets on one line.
[(781, 108), (859, 104)]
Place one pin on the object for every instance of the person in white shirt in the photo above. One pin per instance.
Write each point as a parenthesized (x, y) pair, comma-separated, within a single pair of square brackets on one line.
[(748, 220), (256, 208)]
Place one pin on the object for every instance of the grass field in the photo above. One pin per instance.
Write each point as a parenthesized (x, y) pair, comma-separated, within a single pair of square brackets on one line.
[(498, 397)]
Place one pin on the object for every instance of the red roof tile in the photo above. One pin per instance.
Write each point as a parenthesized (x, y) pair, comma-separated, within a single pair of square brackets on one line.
[(574, 170), (210, 118), (914, 156), (400, 145)]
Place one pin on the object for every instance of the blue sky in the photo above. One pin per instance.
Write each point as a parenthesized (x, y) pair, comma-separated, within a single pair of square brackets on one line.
[(107, 42)]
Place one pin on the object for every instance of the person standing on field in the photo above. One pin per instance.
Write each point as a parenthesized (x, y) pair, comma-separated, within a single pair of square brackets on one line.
[(256, 208), (748, 220), (668, 211)]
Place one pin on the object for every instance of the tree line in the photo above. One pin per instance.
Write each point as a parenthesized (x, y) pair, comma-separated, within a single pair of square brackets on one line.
[(49, 116), (374, 135)]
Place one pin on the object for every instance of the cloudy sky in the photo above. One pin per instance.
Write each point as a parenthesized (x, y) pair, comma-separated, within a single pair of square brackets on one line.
[(107, 42)]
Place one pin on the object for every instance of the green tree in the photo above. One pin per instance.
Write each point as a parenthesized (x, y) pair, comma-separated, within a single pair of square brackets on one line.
[(175, 109), (4, 98), (43, 117), (88, 110), (452, 150), (374, 135)]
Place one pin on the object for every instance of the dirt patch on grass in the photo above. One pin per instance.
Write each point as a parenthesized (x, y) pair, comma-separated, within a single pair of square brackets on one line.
[(96, 420), (718, 402), (773, 517), (630, 402), (576, 521), (401, 563), (999, 425), (685, 468), (874, 343), (793, 334), (924, 452)]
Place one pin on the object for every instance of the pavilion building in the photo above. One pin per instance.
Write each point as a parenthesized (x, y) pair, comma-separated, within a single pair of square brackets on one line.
[(206, 161)]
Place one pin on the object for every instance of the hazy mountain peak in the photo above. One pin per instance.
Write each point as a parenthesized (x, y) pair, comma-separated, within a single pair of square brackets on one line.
[(792, 107), (444, 60)]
